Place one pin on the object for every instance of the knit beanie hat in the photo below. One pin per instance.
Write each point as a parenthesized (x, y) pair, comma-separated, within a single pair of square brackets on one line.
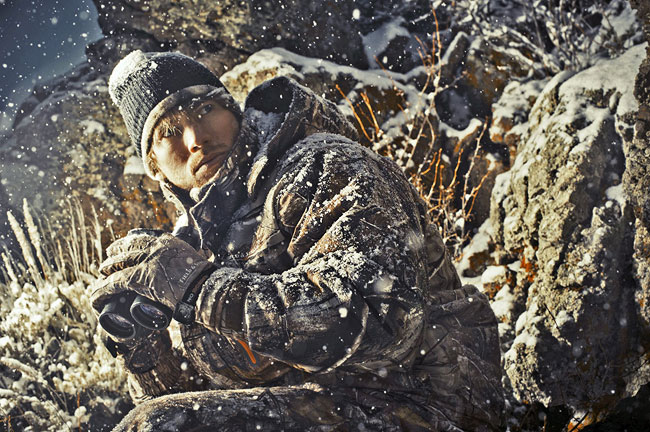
[(145, 86)]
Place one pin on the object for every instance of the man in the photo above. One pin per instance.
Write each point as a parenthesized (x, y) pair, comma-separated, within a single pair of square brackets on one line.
[(318, 297)]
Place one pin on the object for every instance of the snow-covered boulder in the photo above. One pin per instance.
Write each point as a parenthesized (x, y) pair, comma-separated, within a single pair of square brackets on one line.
[(563, 214)]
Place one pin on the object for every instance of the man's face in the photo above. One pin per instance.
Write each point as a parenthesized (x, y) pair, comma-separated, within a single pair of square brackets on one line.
[(191, 144)]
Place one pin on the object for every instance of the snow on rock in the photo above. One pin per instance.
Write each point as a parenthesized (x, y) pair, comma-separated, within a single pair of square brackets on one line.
[(376, 42), (92, 127), (317, 74), (510, 112), (554, 217), (476, 256), (134, 166), (259, 67)]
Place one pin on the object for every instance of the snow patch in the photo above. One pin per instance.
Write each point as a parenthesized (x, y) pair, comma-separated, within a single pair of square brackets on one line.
[(134, 166), (474, 124), (492, 274), (504, 302), (376, 42), (92, 127), (617, 193), (616, 74), (562, 318)]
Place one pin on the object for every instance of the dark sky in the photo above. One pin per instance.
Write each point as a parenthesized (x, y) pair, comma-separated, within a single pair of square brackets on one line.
[(40, 39)]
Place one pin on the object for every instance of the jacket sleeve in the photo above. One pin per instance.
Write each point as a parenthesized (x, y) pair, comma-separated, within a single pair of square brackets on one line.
[(345, 226)]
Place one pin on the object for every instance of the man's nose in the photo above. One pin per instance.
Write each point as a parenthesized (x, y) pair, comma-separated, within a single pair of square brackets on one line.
[(193, 138)]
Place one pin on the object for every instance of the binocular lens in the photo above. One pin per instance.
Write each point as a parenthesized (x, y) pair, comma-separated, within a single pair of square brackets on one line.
[(115, 317), (131, 315), (149, 314), (117, 325)]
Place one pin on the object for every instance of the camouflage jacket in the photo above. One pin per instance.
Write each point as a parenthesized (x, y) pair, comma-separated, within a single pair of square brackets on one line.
[(328, 272)]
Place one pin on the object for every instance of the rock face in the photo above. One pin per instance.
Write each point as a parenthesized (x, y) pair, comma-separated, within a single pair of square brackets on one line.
[(74, 146), (305, 27), (232, 29), (565, 251), (330, 30), (636, 182), (563, 222)]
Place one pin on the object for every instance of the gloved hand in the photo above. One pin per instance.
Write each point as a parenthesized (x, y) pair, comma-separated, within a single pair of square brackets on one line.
[(161, 268), (140, 354), (129, 250)]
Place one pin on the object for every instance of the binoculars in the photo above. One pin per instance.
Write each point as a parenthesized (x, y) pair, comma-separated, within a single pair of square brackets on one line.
[(131, 315)]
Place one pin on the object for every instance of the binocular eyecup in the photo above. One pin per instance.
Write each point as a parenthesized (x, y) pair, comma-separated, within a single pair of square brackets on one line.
[(131, 315)]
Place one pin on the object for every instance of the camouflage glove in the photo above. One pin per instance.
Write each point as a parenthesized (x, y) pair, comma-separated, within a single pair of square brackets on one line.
[(140, 354), (129, 250), (162, 268)]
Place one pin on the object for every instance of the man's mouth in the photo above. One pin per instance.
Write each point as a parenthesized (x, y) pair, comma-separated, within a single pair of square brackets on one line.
[(207, 160)]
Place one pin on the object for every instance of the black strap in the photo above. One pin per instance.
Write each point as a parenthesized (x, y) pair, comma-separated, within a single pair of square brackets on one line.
[(114, 347), (185, 312)]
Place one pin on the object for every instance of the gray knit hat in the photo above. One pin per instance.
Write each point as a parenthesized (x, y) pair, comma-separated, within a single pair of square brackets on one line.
[(146, 85)]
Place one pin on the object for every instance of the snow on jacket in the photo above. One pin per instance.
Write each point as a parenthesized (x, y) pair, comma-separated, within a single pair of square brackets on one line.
[(330, 272)]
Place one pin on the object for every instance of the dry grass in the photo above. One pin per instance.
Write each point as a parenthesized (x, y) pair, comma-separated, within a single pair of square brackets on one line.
[(72, 250), (442, 180), (51, 354), (451, 203)]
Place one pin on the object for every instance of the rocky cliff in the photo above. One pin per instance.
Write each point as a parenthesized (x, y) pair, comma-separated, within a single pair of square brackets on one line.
[(563, 230), (547, 109)]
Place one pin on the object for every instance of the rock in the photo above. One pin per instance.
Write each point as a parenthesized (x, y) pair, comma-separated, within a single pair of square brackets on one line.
[(452, 61), (320, 28), (392, 47), (490, 67), (473, 75), (332, 81), (562, 214), (345, 32), (510, 113), (73, 145), (636, 184), (630, 414)]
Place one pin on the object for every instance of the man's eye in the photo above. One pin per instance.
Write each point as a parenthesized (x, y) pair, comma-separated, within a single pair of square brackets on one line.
[(205, 109), (170, 132)]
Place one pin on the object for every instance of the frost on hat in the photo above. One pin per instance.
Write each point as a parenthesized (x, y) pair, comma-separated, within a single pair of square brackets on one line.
[(134, 61), (141, 81)]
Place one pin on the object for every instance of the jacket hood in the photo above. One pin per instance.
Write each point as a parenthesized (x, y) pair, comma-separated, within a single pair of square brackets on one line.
[(284, 112)]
